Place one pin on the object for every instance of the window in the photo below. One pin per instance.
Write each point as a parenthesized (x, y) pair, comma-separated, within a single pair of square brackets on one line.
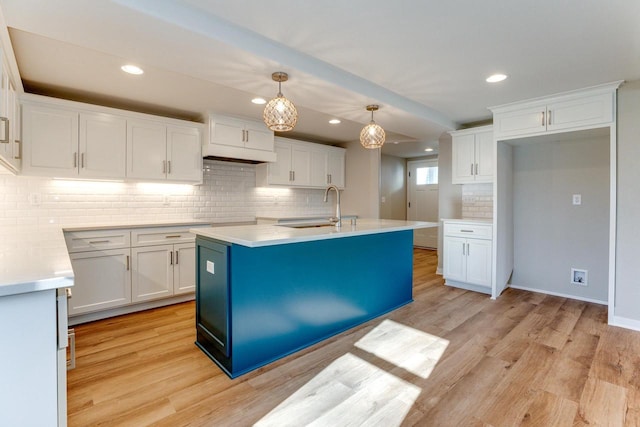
[(427, 176)]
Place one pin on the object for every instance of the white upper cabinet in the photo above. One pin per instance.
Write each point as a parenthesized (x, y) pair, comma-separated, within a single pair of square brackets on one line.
[(146, 150), (102, 145), (50, 138), (9, 116), (303, 164), (63, 139), (184, 154), (231, 137), (472, 155), (578, 110)]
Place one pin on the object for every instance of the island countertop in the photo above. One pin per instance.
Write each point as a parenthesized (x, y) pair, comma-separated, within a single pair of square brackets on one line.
[(271, 234)]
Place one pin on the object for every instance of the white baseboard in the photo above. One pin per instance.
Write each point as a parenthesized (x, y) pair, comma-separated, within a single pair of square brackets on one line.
[(127, 309), (439, 271), (625, 322), (468, 286), (558, 294)]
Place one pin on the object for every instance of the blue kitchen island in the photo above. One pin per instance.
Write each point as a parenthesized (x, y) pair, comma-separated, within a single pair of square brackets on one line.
[(266, 291)]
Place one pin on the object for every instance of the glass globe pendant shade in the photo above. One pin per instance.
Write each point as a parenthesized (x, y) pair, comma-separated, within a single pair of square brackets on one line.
[(372, 135), (280, 114)]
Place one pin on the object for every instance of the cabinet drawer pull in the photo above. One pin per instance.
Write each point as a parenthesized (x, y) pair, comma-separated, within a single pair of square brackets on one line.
[(6, 130), (466, 231), (95, 242), (463, 245), (75, 159), (19, 156), (542, 119), (176, 257), (169, 166), (549, 117), (128, 263), (476, 169), (471, 168), (172, 236), (247, 136), (171, 258), (468, 252), (82, 160)]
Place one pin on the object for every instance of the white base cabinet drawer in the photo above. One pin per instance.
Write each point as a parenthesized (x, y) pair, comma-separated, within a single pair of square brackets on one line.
[(82, 241), (161, 236)]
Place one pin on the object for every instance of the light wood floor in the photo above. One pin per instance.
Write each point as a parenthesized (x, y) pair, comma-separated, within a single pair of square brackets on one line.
[(525, 359)]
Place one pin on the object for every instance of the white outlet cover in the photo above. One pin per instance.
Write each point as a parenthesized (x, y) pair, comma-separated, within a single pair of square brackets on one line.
[(211, 267), (577, 199)]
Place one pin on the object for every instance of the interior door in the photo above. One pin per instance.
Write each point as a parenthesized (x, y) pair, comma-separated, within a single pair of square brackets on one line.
[(422, 200)]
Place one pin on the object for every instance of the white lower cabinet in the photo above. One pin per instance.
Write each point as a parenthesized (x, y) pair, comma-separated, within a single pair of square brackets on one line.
[(102, 280), (468, 251), (119, 268), (162, 271)]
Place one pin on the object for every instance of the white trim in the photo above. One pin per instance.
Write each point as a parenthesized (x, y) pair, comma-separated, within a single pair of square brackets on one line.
[(558, 294), (624, 322), (439, 271), (469, 287), (99, 315)]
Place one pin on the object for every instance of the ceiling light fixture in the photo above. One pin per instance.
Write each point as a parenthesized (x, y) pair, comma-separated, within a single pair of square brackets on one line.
[(372, 135), (495, 78), (334, 121), (428, 149), (280, 114), (132, 69), (259, 101)]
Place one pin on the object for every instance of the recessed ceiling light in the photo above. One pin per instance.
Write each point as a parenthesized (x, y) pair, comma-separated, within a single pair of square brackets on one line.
[(428, 149), (496, 78), (132, 69), (259, 101), (334, 121), (396, 142)]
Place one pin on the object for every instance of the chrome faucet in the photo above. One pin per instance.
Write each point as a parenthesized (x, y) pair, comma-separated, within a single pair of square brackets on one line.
[(337, 220)]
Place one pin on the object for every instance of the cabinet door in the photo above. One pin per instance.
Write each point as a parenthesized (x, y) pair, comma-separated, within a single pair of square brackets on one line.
[(523, 122), (50, 137), (5, 114), (463, 159), (184, 268), (103, 145), (151, 272), (226, 131), (146, 150), (258, 137), (279, 172), (301, 165), (484, 157), (585, 111), (102, 280), (318, 174), (479, 262), (455, 259), (335, 167), (184, 154)]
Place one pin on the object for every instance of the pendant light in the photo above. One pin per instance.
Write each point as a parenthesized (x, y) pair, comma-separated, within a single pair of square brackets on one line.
[(372, 135), (280, 114)]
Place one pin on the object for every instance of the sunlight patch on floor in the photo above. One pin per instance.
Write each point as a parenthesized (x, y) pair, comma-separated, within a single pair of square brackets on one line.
[(348, 392), (416, 351)]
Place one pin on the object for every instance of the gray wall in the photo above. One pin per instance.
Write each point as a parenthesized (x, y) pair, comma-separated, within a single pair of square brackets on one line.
[(627, 297), (449, 195), (393, 187), (550, 234), (361, 195)]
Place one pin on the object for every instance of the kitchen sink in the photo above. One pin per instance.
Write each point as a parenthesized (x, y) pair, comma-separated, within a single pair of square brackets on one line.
[(307, 225)]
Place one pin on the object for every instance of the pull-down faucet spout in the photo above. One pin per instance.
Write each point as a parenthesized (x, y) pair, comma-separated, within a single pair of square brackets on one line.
[(337, 220)]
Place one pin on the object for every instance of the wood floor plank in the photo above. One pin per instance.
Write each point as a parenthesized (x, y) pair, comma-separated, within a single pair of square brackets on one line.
[(525, 359)]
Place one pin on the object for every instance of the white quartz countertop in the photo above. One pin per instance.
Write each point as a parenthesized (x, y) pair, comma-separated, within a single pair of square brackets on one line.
[(35, 258), (271, 234), (485, 221)]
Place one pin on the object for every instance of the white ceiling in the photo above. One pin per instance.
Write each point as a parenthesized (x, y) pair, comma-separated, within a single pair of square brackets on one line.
[(424, 62)]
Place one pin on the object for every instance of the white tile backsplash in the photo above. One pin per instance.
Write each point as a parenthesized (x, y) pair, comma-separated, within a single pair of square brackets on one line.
[(228, 194), (477, 201)]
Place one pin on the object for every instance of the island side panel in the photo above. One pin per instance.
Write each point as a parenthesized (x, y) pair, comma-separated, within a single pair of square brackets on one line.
[(287, 297)]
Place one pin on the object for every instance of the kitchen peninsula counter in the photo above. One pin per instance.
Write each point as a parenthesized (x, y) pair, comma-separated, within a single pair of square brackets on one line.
[(266, 291)]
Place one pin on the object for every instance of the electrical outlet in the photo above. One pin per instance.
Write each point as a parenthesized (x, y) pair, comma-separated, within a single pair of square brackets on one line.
[(577, 199), (35, 199), (579, 277), (165, 200)]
